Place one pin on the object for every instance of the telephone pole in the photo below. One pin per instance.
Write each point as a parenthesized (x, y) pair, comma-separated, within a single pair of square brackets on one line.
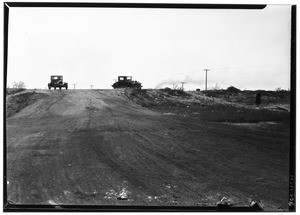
[(182, 85), (206, 78), (91, 86), (74, 86)]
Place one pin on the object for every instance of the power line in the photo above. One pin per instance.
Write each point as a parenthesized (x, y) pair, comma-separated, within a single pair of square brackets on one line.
[(161, 77), (226, 68)]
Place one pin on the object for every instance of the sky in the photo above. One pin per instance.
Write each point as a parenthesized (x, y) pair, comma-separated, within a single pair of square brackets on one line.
[(248, 49)]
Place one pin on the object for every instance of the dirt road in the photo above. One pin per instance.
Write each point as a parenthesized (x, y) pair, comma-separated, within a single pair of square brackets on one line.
[(94, 147)]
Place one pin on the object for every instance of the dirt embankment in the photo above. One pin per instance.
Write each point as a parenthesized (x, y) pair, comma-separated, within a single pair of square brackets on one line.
[(10, 91), (19, 99), (211, 106), (98, 147)]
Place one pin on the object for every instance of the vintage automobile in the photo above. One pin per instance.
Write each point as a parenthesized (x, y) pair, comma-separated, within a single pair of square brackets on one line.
[(126, 81), (57, 81)]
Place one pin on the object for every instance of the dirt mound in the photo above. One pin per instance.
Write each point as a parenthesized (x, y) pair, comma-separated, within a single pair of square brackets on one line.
[(10, 91), (159, 98), (169, 91), (233, 89), (18, 101), (208, 106)]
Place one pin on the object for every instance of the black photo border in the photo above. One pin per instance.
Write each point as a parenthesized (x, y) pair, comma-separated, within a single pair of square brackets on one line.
[(8, 207)]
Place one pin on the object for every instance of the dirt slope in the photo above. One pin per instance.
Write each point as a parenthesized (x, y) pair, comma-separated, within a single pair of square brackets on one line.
[(95, 147)]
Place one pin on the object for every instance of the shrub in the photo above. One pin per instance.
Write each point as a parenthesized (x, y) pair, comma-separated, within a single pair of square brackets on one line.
[(232, 89)]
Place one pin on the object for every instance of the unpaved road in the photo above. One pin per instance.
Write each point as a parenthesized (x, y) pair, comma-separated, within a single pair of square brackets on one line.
[(93, 147)]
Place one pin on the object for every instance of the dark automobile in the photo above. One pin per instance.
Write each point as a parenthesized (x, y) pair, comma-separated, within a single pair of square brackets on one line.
[(126, 81), (57, 81)]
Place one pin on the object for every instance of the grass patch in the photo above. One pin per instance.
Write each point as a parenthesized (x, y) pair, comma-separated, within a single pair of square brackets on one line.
[(248, 97), (226, 113)]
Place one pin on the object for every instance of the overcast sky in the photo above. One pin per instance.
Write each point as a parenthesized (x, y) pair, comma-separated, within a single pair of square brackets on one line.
[(248, 49)]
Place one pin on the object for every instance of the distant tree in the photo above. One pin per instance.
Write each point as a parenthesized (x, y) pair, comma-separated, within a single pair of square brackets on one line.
[(278, 89), (19, 85)]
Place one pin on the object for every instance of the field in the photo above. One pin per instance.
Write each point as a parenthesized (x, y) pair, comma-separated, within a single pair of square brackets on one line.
[(151, 147)]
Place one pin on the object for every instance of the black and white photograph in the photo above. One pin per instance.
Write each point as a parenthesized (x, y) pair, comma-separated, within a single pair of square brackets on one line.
[(149, 107)]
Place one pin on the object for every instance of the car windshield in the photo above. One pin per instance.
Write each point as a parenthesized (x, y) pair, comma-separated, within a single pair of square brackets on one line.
[(56, 77)]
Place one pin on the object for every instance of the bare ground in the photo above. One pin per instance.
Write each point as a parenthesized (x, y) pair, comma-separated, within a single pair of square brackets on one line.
[(97, 147)]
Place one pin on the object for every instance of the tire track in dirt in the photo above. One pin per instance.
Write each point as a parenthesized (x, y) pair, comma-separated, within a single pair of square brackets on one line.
[(93, 140)]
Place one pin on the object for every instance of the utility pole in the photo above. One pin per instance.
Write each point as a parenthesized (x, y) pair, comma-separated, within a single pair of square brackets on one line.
[(206, 78), (91, 86), (182, 85), (74, 86)]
